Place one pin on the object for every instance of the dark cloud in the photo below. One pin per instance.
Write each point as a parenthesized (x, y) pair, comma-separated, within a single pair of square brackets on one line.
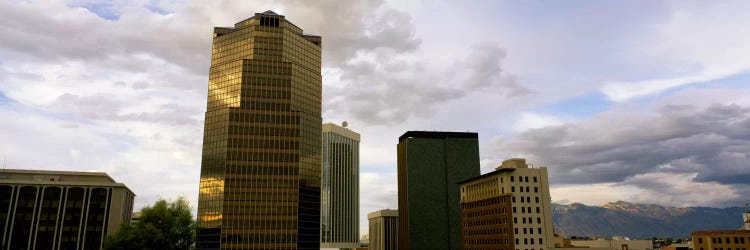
[(712, 142)]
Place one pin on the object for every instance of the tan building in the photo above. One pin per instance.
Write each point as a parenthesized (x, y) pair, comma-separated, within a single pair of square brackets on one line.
[(60, 209), (617, 243), (721, 240), (261, 162), (383, 230), (508, 208), (339, 196)]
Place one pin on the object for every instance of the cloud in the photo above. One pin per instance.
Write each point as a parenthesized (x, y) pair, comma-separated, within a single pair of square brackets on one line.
[(706, 145), (621, 91), (389, 88), (696, 43)]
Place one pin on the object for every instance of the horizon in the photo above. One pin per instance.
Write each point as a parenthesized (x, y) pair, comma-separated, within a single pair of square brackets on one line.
[(649, 110)]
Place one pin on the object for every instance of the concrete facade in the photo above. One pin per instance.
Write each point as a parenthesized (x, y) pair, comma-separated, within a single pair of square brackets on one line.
[(614, 244), (339, 197), (383, 230), (528, 213), (721, 240), (430, 166), (60, 209)]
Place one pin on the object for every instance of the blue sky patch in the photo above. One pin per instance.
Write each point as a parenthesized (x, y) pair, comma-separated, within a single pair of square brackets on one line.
[(104, 10)]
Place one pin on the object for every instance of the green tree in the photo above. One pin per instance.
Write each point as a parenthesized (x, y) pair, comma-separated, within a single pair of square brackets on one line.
[(165, 225)]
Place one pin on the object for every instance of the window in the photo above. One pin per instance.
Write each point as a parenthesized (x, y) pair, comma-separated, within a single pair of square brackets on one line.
[(514, 199), (540, 241), (538, 219), (516, 242), (523, 209), (527, 189), (515, 219), (539, 230), (512, 188), (536, 190), (537, 209), (511, 179), (524, 230), (515, 230), (524, 220), (718, 240), (534, 179), (525, 241), (700, 240), (514, 209), (537, 199), (532, 240), (527, 179)]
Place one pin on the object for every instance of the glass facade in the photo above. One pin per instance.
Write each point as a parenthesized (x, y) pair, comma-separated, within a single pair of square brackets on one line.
[(261, 163), (339, 210)]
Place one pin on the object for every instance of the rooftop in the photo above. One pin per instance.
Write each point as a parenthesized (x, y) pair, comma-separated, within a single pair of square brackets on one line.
[(437, 135), (721, 232)]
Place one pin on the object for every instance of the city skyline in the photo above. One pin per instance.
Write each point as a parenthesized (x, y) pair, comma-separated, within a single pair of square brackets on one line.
[(637, 110)]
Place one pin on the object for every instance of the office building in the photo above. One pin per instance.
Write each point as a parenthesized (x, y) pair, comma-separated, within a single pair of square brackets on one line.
[(746, 219), (430, 165), (507, 209), (60, 209), (383, 230), (261, 162), (721, 240), (339, 196)]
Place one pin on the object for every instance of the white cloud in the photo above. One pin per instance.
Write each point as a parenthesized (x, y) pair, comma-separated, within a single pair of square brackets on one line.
[(531, 120), (697, 43)]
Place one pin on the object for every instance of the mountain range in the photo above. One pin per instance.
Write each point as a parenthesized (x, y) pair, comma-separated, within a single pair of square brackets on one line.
[(640, 221)]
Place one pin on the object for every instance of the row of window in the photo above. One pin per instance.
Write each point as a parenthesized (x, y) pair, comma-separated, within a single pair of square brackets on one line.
[(520, 179), (529, 241), (526, 199), (718, 240), (520, 189), (528, 230), (526, 210), (525, 219)]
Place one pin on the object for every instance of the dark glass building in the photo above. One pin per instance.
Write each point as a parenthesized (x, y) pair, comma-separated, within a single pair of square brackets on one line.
[(260, 170), (60, 209), (430, 166)]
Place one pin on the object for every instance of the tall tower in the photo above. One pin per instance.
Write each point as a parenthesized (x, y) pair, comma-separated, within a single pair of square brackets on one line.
[(430, 165), (339, 198), (260, 170)]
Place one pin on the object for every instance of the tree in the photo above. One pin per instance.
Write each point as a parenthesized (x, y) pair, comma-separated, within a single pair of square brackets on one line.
[(165, 225)]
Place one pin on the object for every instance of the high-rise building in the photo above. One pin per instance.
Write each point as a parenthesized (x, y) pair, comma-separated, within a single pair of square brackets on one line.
[(383, 230), (507, 209), (261, 164), (60, 209), (430, 165), (339, 197)]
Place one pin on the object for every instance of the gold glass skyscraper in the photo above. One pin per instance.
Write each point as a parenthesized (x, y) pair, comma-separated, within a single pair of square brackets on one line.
[(260, 170)]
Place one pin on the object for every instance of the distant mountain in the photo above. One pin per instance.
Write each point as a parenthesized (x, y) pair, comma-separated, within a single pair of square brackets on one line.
[(639, 221)]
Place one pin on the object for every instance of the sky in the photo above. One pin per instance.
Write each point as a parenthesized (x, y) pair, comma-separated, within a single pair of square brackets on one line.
[(640, 101)]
